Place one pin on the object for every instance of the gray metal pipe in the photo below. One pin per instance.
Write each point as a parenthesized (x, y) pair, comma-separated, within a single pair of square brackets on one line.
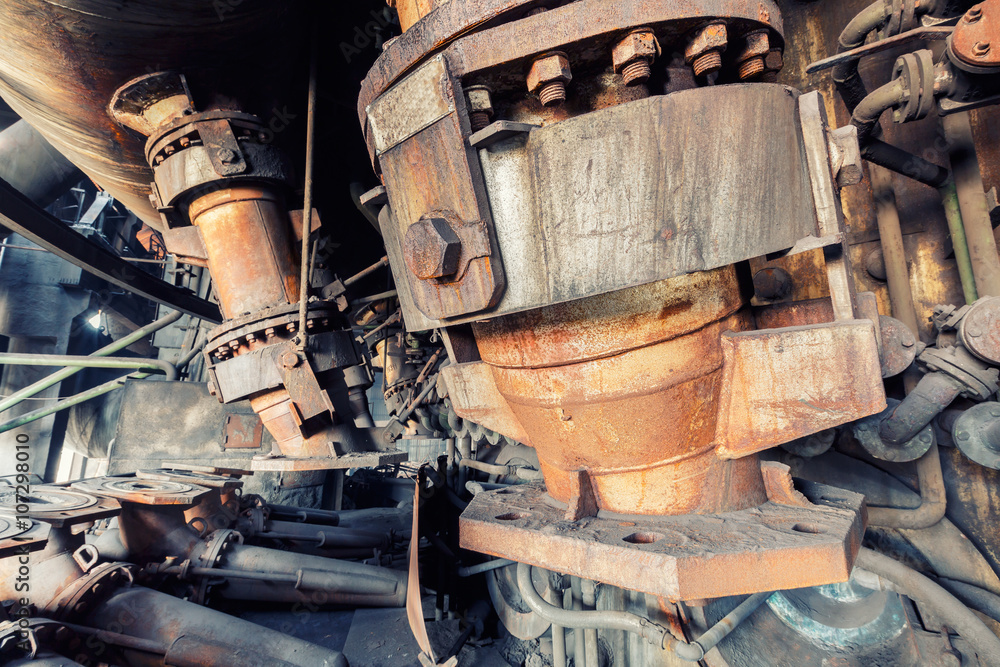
[(866, 115), (488, 566), (503, 470), (14, 359), (929, 398), (948, 609), (33, 167), (195, 635), (60, 375), (845, 75)]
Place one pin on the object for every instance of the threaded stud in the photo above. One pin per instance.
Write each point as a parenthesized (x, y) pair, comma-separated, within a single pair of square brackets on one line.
[(751, 68), (552, 93), (479, 120), (707, 63), (636, 72)]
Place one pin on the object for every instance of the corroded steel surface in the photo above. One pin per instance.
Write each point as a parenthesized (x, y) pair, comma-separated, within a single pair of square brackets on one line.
[(625, 386), (59, 76), (250, 252), (143, 492), (771, 547), (976, 40), (56, 505)]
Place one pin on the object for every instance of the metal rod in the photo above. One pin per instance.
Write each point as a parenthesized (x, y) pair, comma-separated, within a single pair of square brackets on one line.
[(118, 639), (99, 390), (953, 213), (488, 566), (367, 272), (60, 375), (14, 359), (308, 195), (391, 294)]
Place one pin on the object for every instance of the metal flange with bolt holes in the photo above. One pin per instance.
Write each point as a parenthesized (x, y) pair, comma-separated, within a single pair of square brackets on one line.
[(866, 431), (143, 491), (208, 480), (977, 433), (57, 505), (16, 535)]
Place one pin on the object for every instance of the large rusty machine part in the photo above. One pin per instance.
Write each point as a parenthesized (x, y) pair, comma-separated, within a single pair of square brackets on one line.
[(218, 181), (644, 384), (72, 587), (156, 533)]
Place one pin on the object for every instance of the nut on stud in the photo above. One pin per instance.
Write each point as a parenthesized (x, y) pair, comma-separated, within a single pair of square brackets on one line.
[(548, 77), (480, 106), (704, 52), (633, 56)]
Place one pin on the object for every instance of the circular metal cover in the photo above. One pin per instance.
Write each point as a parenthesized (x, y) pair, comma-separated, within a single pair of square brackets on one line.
[(975, 433), (56, 505), (143, 491), (194, 477), (18, 534), (980, 329)]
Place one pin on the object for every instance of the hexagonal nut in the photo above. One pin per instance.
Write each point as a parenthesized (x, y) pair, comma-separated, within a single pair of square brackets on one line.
[(774, 61), (548, 68), (845, 156), (479, 99), (432, 248), (758, 44), (637, 45), (712, 37)]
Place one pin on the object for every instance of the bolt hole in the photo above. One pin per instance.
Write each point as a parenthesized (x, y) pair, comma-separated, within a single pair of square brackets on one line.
[(642, 538), (809, 528), (505, 492), (513, 516)]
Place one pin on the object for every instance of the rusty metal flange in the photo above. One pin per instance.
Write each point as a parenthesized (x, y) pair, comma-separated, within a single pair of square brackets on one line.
[(210, 470), (207, 480), (774, 546), (18, 535), (57, 505), (90, 589), (143, 491), (976, 40)]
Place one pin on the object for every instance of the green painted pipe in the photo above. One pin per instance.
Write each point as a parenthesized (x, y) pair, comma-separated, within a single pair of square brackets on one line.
[(12, 359), (949, 199), (99, 390), (60, 375)]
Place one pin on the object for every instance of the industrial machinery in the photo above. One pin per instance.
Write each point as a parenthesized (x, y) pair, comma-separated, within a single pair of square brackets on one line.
[(624, 333)]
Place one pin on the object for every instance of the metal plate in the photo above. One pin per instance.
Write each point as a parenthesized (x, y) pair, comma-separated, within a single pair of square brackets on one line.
[(346, 461), (772, 547), (18, 536), (191, 477), (57, 505), (143, 491), (653, 187)]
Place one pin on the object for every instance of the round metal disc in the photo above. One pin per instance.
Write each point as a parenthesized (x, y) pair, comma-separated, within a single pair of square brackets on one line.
[(143, 491), (194, 477), (972, 434), (43, 500), (515, 614), (980, 330)]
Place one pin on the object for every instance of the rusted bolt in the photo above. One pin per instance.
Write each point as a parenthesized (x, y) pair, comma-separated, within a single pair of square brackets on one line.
[(548, 77), (704, 51), (750, 68), (226, 155), (750, 61), (774, 61), (480, 106), (634, 55), (981, 49), (289, 359), (432, 248), (772, 283), (974, 14)]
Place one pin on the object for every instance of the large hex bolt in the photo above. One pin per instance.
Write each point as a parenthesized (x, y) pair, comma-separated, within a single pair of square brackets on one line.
[(634, 55), (774, 61), (750, 61), (480, 106), (704, 52), (548, 77), (432, 248)]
